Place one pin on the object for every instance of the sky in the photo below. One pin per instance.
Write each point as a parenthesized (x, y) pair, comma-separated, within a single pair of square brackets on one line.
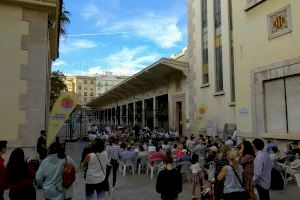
[(121, 36)]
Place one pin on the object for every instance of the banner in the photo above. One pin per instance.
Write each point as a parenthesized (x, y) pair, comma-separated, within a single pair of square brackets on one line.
[(61, 110)]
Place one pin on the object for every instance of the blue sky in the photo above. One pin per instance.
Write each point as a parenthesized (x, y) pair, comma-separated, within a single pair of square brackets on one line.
[(122, 36)]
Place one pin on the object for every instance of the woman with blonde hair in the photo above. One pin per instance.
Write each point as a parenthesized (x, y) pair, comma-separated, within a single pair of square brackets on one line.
[(232, 175), (221, 161)]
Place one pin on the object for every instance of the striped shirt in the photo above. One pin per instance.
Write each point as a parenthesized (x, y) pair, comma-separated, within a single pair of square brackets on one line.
[(113, 152)]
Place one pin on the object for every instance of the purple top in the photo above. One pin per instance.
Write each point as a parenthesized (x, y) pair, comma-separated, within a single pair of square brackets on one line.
[(262, 170)]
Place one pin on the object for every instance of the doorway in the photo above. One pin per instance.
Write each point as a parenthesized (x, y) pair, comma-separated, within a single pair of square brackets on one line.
[(179, 117)]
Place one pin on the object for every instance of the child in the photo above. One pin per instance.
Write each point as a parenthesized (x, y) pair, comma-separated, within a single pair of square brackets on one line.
[(196, 174)]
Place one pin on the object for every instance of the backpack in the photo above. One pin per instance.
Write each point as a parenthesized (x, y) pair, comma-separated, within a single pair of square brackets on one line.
[(69, 174)]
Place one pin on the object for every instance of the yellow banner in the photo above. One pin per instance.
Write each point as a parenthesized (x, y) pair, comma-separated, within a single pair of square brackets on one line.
[(61, 110)]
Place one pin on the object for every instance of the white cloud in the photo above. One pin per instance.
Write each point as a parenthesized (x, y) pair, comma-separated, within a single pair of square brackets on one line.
[(89, 11), (68, 46), (126, 62), (163, 30), (130, 59), (59, 63), (100, 15)]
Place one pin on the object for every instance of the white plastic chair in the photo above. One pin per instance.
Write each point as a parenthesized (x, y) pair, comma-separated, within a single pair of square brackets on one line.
[(294, 171), (128, 162), (155, 166), (143, 163)]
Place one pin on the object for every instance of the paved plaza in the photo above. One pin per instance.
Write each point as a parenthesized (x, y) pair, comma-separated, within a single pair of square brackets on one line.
[(141, 187)]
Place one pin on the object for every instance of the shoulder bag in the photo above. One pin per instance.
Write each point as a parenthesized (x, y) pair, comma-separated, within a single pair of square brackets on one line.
[(244, 195), (105, 183)]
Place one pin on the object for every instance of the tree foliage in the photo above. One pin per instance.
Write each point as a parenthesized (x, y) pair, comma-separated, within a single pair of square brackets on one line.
[(57, 86), (64, 20)]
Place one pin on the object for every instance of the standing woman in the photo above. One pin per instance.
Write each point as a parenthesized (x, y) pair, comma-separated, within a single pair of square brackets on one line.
[(221, 161), (61, 152), (96, 163), (113, 150), (50, 175), (20, 176), (247, 160), (232, 175)]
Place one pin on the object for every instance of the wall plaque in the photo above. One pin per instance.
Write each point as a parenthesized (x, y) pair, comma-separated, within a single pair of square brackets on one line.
[(280, 22)]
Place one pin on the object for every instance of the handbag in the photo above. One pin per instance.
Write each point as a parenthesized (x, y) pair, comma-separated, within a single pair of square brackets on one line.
[(244, 194), (69, 174), (105, 183)]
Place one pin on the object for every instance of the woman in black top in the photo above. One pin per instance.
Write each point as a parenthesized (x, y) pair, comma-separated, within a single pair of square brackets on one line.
[(169, 181)]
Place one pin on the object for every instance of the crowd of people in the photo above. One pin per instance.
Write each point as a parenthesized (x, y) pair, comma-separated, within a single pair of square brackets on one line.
[(219, 169)]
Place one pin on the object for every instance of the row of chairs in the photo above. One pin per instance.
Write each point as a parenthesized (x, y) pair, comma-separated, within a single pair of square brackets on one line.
[(155, 166)]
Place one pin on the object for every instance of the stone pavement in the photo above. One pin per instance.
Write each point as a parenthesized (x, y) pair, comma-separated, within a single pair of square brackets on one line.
[(140, 187)]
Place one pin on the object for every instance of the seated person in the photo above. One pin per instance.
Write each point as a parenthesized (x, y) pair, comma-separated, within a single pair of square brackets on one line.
[(296, 162), (166, 147), (128, 153), (295, 148), (270, 145), (151, 148), (167, 136), (185, 156), (178, 151), (157, 155)]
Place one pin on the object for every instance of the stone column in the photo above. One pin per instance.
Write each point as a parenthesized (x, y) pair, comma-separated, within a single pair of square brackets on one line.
[(105, 117), (116, 119), (121, 114), (143, 113), (154, 112), (111, 117), (134, 113), (126, 114)]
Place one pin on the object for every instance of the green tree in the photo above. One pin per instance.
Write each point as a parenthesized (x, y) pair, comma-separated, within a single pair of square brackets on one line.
[(64, 20), (57, 86)]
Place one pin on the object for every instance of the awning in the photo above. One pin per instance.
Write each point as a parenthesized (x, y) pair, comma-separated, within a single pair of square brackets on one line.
[(157, 74)]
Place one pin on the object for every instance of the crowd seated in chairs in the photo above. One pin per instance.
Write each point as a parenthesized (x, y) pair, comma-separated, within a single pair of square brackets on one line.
[(146, 154)]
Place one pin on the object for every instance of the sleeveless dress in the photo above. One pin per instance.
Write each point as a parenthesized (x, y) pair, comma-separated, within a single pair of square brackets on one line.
[(231, 182)]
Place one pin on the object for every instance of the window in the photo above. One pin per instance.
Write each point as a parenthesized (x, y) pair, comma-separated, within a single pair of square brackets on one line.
[(218, 47), (85, 94), (85, 81), (85, 100), (282, 97), (231, 54), (205, 79), (79, 87), (92, 94), (92, 81), (85, 88)]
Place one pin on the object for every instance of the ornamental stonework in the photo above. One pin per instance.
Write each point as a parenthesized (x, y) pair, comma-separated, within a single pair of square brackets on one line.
[(280, 22)]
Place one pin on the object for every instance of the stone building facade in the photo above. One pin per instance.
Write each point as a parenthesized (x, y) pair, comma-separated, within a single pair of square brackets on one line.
[(267, 59), (29, 40)]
